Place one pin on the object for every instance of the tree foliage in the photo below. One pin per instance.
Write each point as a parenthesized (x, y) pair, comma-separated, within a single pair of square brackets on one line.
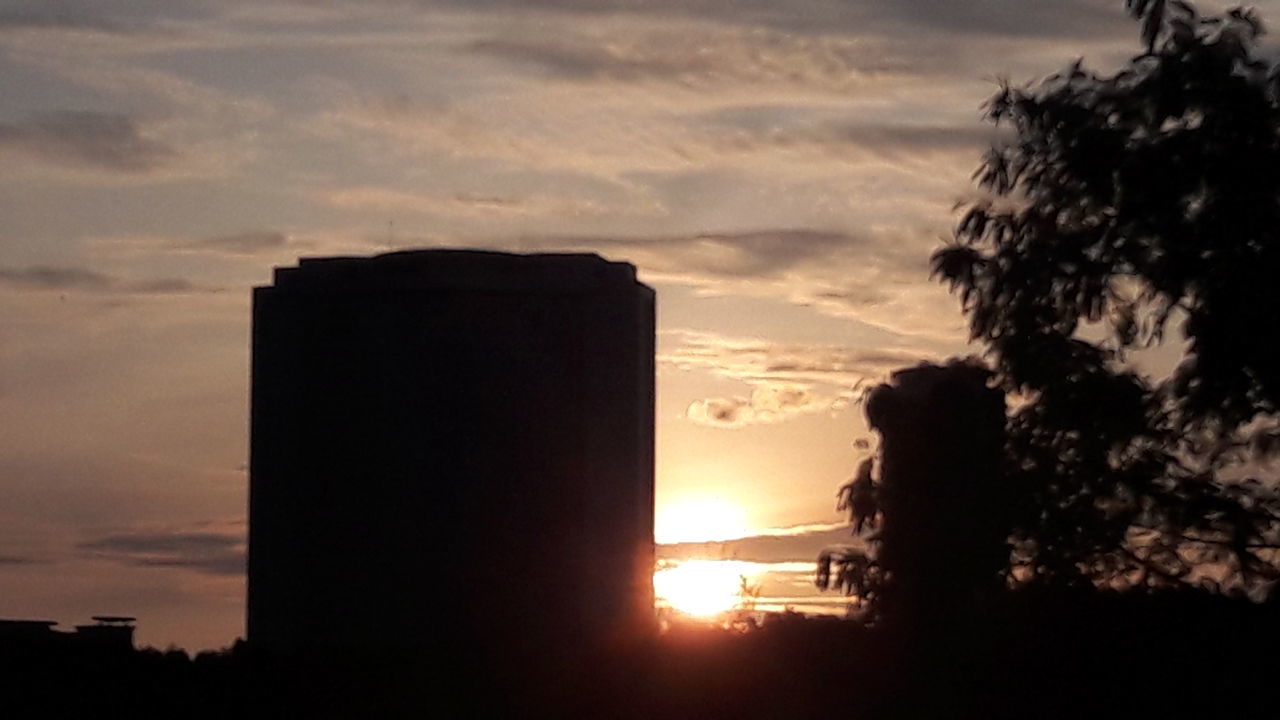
[(1128, 208), (1124, 211)]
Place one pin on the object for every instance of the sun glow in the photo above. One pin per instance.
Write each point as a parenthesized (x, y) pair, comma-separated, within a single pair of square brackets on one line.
[(704, 588), (700, 520), (701, 587)]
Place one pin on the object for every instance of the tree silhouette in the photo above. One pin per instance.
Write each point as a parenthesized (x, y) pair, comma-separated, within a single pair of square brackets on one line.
[(1123, 207), (1126, 206)]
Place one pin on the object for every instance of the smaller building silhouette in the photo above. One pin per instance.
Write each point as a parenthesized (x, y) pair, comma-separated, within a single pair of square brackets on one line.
[(28, 633), (946, 518), (108, 635)]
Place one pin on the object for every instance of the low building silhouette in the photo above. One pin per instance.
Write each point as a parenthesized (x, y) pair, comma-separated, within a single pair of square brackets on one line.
[(109, 635), (452, 451), (16, 635)]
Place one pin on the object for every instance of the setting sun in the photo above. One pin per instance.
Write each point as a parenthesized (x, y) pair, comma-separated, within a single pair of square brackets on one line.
[(700, 520), (701, 587)]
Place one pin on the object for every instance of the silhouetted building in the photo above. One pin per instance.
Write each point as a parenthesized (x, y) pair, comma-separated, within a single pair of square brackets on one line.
[(451, 449), (946, 516), (25, 634), (110, 635)]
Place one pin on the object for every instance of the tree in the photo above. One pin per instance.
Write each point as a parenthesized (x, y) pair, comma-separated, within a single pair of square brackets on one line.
[(1126, 208)]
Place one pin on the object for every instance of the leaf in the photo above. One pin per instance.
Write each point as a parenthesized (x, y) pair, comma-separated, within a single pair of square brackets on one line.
[(1186, 8), (1152, 23), (1136, 8)]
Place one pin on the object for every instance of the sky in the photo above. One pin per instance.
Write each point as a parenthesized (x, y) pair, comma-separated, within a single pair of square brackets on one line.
[(778, 172)]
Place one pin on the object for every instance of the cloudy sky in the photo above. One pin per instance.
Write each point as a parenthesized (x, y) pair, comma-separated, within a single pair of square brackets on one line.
[(779, 172)]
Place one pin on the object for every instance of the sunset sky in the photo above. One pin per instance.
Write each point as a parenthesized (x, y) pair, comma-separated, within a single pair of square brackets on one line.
[(778, 171)]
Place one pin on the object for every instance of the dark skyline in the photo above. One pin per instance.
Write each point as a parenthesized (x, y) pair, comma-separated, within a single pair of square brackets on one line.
[(778, 172)]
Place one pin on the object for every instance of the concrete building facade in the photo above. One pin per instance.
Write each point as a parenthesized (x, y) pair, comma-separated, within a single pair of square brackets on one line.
[(451, 449)]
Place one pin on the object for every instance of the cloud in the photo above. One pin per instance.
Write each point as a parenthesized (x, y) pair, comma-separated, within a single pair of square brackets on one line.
[(68, 279), (709, 259), (762, 362), (610, 95), (1017, 18), (208, 552), (786, 379), (759, 254), (124, 18), (251, 243), (1011, 18), (52, 14), (463, 204), (661, 96), (767, 404), (10, 560), (879, 277), (832, 45), (613, 132), (102, 141), (804, 264), (782, 545), (701, 56), (888, 140)]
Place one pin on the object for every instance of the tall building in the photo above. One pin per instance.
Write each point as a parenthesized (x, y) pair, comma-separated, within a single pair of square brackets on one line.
[(946, 506), (451, 448)]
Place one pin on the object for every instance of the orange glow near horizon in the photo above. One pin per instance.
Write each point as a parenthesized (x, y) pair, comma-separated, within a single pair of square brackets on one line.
[(700, 520), (701, 588)]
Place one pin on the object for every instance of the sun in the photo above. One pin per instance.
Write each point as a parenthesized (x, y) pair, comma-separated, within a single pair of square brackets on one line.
[(700, 520), (703, 588)]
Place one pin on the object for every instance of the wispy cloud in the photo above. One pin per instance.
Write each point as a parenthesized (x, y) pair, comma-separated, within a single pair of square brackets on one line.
[(254, 246), (613, 131), (250, 243), (1014, 18), (12, 560), (205, 551), (756, 360), (878, 277), (766, 404), (67, 279), (53, 14), (779, 545), (104, 141), (698, 56), (1010, 18), (785, 379), (122, 17), (465, 204)]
